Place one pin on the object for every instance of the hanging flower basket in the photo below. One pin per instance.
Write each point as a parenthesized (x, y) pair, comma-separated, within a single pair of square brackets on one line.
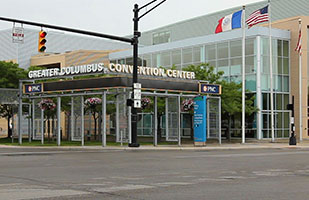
[(145, 102), (187, 105), (47, 104), (92, 102)]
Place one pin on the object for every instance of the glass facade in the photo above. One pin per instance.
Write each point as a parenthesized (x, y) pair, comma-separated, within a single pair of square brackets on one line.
[(227, 57)]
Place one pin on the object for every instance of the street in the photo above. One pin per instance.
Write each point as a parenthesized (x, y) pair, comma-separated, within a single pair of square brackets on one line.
[(45, 173)]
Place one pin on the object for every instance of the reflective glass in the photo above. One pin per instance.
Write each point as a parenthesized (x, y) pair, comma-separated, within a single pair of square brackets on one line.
[(286, 48), (235, 49), (223, 51), (250, 64), (176, 57), (236, 66), (166, 59), (285, 66), (279, 48), (251, 82), (250, 47), (278, 101), (197, 54), (285, 83), (187, 55), (210, 52), (223, 66)]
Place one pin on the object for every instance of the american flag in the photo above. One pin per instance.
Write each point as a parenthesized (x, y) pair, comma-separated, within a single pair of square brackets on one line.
[(258, 16), (298, 47)]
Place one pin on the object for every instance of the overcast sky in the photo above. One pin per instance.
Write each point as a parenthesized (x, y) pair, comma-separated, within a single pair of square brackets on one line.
[(109, 16)]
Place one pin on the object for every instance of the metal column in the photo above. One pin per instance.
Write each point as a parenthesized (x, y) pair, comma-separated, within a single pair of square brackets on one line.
[(166, 117), (42, 126), (82, 121), (33, 118), (117, 118), (20, 113), (58, 121), (104, 119), (129, 121), (179, 122), (72, 118), (155, 139), (220, 120), (29, 123)]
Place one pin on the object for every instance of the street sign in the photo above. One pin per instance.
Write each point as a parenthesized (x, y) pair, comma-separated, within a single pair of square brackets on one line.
[(137, 94), (137, 85), (137, 104), (18, 34)]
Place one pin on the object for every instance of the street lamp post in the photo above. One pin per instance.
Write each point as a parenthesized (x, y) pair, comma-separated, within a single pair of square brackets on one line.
[(136, 35)]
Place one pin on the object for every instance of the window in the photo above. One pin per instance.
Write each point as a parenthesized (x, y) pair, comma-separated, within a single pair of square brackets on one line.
[(162, 37), (223, 51), (236, 48)]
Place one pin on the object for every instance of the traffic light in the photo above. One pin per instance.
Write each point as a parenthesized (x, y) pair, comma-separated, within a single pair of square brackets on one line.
[(42, 41)]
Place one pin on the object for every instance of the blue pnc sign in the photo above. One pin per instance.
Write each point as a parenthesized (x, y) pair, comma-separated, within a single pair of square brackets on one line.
[(210, 88), (200, 119), (33, 88)]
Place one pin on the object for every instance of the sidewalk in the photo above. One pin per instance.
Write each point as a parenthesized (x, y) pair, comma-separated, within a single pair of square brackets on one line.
[(226, 146)]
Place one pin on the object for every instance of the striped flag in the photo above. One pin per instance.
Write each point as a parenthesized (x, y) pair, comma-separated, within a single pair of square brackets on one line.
[(258, 16), (298, 47)]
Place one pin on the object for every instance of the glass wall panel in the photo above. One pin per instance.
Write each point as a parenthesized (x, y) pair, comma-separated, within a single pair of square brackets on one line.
[(210, 52), (176, 57), (285, 66), (236, 79), (250, 47), (251, 82), (286, 122), (154, 60), (265, 65), (197, 54), (223, 65), (265, 83), (264, 101), (236, 48), (279, 47), (278, 101), (286, 83), (236, 66), (286, 48), (250, 64), (187, 55), (279, 65), (166, 59), (147, 60), (223, 51), (129, 61), (285, 101)]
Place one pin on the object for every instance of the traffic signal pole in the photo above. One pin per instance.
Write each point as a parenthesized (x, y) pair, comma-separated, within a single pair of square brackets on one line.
[(133, 41)]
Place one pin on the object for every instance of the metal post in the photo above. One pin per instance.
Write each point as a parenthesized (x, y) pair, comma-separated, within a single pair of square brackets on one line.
[(207, 118), (117, 118), (72, 119), (58, 120), (42, 126), (20, 111), (179, 122), (135, 80), (33, 118), (129, 122), (155, 121), (219, 120), (82, 121), (166, 118), (104, 119), (29, 123)]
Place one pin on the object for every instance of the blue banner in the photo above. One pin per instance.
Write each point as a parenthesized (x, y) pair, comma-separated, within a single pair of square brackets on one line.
[(200, 119)]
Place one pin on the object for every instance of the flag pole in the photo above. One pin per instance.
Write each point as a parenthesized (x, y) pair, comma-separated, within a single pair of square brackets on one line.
[(243, 75), (300, 85), (271, 78)]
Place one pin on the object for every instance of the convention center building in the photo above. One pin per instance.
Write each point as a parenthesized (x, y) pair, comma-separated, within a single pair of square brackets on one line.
[(194, 41)]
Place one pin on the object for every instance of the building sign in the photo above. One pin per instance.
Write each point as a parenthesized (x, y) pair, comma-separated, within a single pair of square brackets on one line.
[(33, 88), (210, 88), (111, 68)]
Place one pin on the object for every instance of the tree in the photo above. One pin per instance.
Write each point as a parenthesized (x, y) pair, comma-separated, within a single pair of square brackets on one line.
[(10, 76), (231, 96)]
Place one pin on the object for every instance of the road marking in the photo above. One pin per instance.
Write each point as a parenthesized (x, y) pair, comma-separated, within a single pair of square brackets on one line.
[(244, 155), (53, 152)]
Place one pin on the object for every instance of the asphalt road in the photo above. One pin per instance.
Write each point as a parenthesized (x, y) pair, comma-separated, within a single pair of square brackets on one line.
[(118, 174)]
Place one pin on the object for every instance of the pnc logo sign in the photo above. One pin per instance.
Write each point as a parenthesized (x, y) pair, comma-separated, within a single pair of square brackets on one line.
[(33, 88), (210, 88)]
